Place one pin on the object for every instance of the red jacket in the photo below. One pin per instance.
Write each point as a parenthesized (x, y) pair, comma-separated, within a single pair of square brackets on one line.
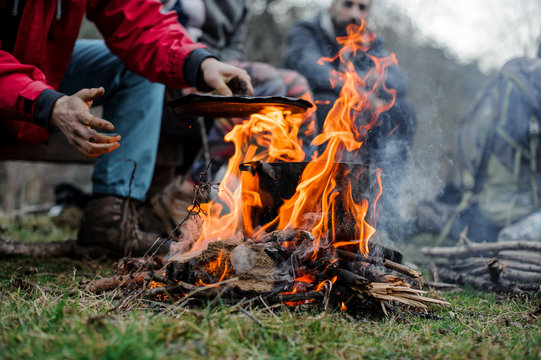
[(151, 44)]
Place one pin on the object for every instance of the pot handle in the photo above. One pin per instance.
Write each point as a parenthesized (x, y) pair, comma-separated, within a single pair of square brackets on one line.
[(261, 167)]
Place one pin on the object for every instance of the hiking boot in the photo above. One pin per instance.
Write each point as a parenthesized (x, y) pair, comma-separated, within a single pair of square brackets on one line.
[(110, 223), (172, 203)]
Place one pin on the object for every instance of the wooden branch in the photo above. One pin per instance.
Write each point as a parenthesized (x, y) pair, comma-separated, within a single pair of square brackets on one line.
[(349, 278), (343, 254), (481, 248), (521, 256), (37, 250), (296, 297), (99, 286), (522, 276), (495, 268), (441, 286), (451, 276), (403, 294), (404, 270), (469, 263)]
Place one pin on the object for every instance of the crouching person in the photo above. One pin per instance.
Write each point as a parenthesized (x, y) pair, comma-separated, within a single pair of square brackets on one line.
[(498, 197), (49, 80)]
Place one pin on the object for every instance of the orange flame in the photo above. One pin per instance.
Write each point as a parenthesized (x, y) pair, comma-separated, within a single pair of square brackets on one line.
[(215, 265), (324, 189)]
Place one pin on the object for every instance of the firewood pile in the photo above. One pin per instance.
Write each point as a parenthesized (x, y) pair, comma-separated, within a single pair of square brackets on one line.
[(279, 269), (503, 267)]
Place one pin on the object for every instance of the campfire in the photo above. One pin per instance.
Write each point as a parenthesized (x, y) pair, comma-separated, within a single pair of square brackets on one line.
[(287, 230)]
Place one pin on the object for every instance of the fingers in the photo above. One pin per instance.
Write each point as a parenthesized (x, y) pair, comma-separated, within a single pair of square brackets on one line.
[(95, 122), (91, 143), (102, 138), (89, 95), (221, 87), (71, 114), (90, 149), (245, 78), (217, 75)]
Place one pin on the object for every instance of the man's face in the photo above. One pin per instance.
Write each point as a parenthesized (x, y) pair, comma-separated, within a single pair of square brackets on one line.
[(345, 12)]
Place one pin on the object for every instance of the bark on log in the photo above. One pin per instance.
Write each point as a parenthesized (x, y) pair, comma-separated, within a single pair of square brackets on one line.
[(495, 268), (37, 250), (380, 261), (67, 248), (451, 276), (522, 276), (470, 263), (99, 286), (481, 248), (521, 256)]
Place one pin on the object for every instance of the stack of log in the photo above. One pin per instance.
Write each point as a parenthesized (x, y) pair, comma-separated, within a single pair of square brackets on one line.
[(502, 267), (279, 269)]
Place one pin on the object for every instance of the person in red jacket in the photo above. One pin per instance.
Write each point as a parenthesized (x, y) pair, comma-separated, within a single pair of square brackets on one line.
[(49, 80)]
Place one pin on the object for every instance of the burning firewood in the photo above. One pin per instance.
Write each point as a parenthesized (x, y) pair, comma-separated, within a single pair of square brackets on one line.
[(275, 271)]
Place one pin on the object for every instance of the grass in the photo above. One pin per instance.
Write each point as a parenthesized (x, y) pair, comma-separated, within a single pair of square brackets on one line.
[(39, 324)]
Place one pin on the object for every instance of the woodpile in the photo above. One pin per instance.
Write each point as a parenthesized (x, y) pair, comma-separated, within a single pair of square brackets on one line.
[(502, 267), (280, 269)]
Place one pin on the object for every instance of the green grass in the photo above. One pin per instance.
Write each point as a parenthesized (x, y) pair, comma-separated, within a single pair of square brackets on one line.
[(36, 324)]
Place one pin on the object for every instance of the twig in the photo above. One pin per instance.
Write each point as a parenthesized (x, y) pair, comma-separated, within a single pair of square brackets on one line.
[(296, 297), (250, 316)]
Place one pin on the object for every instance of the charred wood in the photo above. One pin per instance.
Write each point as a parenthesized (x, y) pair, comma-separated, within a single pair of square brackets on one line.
[(347, 255)]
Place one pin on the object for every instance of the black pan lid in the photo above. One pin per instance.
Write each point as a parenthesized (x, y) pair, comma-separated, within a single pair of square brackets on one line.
[(210, 106)]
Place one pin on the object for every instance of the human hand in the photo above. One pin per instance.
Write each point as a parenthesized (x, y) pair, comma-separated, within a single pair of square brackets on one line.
[(225, 78), (71, 114)]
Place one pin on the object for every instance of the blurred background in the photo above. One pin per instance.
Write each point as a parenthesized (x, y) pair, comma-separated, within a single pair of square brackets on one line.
[(449, 51)]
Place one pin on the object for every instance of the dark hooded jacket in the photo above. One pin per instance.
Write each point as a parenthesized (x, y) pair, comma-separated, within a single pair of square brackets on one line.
[(387, 146)]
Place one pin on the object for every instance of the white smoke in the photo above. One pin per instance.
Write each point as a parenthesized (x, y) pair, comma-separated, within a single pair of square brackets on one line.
[(242, 259)]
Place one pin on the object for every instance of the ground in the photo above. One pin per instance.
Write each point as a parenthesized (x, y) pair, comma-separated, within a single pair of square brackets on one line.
[(62, 321)]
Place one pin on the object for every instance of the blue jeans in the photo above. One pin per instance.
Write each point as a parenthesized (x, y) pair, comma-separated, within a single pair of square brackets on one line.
[(133, 104)]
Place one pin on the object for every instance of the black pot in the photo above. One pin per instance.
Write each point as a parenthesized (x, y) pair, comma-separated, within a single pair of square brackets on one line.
[(278, 182)]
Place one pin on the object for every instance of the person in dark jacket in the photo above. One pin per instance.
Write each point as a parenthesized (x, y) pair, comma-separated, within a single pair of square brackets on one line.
[(387, 145), (49, 80)]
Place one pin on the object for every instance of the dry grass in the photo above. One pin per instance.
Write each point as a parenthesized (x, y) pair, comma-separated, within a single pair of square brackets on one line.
[(70, 323)]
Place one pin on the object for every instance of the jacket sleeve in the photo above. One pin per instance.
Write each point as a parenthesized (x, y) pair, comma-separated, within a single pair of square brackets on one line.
[(150, 43), (20, 87), (303, 53)]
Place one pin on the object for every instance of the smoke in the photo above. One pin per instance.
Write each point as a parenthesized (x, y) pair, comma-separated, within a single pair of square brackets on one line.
[(430, 163), (186, 246), (242, 259), (189, 235)]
